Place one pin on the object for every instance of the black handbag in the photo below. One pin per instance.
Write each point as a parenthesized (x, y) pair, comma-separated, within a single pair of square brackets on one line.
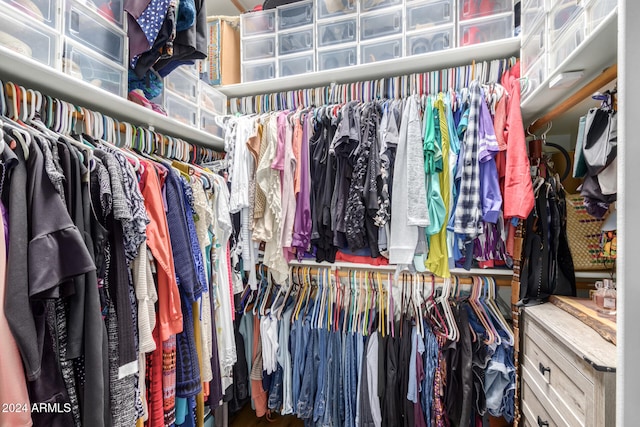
[(547, 267)]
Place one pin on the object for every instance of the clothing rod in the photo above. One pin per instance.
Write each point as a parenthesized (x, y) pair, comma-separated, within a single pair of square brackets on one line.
[(11, 89), (606, 77)]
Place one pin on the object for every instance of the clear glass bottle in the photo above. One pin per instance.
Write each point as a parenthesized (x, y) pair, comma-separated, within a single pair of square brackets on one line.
[(609, 298)]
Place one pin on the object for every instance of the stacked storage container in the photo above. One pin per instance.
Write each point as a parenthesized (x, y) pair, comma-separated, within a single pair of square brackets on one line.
[(336, 34), (296, 39), (429, 26), (85, 40), (258, 46), (381, 30), (351, 32), (181, 96), (481, 21), (534, 54)]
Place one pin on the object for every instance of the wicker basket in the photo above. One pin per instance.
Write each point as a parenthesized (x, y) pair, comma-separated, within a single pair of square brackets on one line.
[(584, 234)]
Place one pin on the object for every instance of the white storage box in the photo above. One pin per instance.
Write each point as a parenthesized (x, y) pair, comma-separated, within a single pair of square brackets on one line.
[(258, 70), (295, 15), (472, 9), (260, 22), (367, 5), (258, 48), (381, 50), (296, 64), (43, 11), (535, 75), (85, 26), (598, 10), (333, 32), (534, 46), (180, 109), (485, 30), (381, 24), (29, 39), (211, 99), (532, 13), (212, 124), (429, 41), (336, 8), (425, 14), (85, 65), (297, 41), (567, 43), (562, 16), (330, 59)]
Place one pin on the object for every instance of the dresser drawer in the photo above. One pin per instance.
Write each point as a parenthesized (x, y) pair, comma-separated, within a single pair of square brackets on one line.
[(536, 408), (561, 376)]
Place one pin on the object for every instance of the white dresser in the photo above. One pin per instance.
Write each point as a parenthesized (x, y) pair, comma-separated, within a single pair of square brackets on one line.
[(568, 371)]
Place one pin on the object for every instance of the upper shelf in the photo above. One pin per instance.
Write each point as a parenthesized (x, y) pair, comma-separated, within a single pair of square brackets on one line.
[(598, 51), (34, 75), (397, 67)]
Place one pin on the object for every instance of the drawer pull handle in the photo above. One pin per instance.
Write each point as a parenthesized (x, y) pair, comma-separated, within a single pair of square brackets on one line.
[(542, 423), (544, 369)]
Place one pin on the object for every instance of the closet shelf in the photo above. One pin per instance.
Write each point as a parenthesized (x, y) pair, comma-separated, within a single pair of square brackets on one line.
[(597, 52), (30, 73), (413, 64)]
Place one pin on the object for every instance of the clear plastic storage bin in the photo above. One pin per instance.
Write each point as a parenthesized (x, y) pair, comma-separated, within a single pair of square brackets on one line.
[(211, 99), (367, 5), (485, 30), (295, 15), (111, 10), (258, 48), (333, 8), (533, 46), (293, 65), (535, 76), (180, 109), (598, 10), (567, 43), (44, 11), (212, 124), (335, 32), (84, 65), (425, 14), (260, 22), (429, 41), (183, 84), (297, 41), (381, 24), (532, 13), (562, 16), (337, 58), (382, 50), (37, 42), (85, 26), (472, 9), (258, 70)]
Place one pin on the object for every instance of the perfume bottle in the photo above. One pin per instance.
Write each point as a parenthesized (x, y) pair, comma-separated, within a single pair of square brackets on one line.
[(607, 299)]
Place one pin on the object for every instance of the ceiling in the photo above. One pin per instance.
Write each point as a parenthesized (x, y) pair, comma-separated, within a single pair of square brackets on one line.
[(227, 8)]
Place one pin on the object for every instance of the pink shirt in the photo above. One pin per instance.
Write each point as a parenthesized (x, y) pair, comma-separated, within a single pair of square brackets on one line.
[(13, 383)]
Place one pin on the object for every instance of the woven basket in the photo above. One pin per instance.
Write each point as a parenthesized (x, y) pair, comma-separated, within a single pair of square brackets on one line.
[(584, 233)]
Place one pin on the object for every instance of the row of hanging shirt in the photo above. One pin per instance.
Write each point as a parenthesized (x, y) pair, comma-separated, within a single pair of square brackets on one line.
[(368, 351), (431, 181), (107, 245)]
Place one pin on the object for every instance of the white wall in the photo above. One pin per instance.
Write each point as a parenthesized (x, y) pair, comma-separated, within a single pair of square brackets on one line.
[(628, 378)]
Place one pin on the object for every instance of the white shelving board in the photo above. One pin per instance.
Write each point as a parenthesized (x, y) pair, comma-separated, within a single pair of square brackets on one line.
[(596, 53), (34, 75), (397, 67)]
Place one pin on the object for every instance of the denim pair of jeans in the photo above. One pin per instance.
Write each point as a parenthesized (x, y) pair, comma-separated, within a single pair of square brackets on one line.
[(350, 383), (306, 396)]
